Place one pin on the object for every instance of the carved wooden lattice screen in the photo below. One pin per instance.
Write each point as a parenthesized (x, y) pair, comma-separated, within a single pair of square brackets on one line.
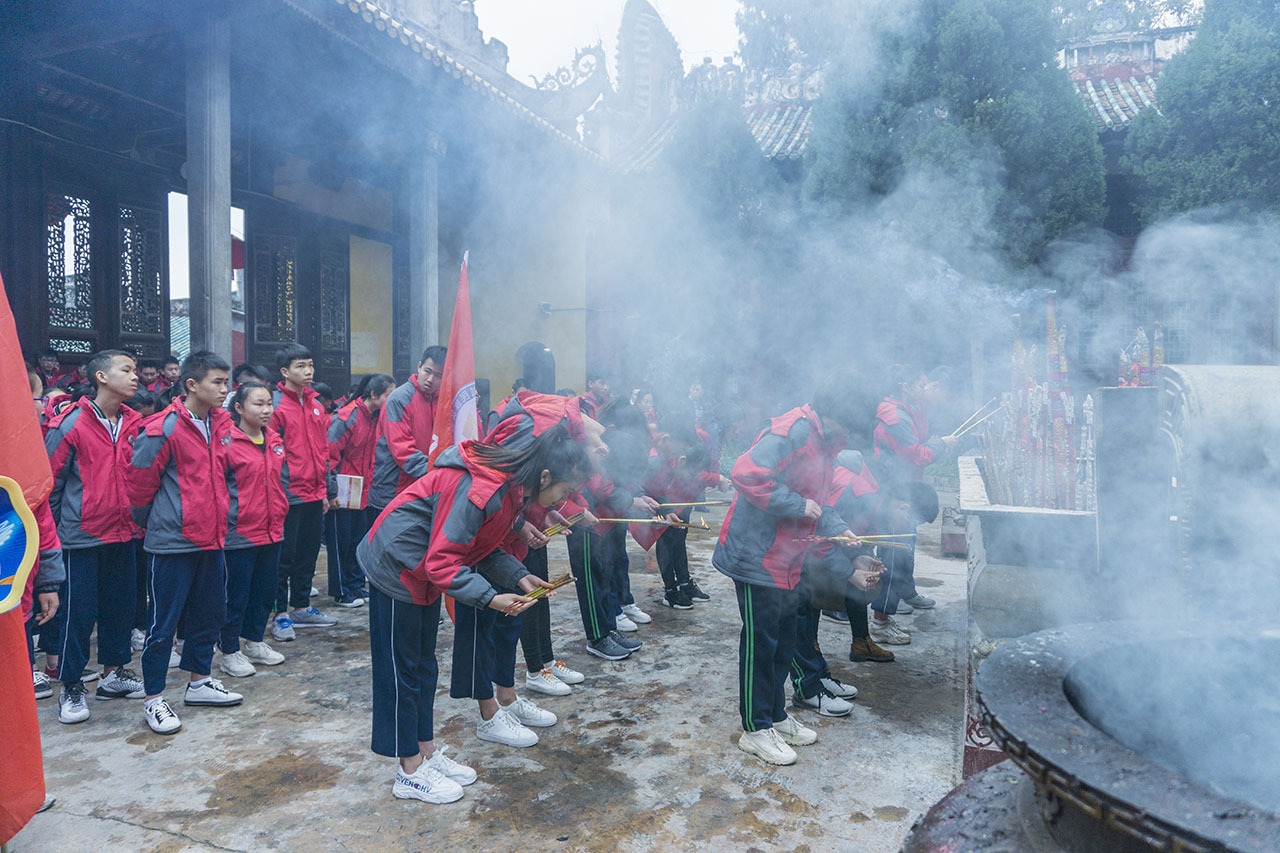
[(70, 309)]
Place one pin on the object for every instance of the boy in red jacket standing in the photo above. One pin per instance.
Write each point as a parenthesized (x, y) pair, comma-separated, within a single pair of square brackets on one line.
[(781, 482), (300, 420), (353, 432), (178, 491), (87, 447), (404, 431)]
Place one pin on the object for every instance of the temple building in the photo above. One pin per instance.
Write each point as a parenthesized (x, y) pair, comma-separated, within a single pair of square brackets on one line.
[(333, 159)]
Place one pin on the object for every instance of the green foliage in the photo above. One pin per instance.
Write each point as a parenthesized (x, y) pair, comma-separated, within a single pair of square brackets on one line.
[(979, 84), (1217, 137)]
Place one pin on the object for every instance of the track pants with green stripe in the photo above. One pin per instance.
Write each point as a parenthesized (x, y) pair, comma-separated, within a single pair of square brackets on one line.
[(765, 649), (586, 550)]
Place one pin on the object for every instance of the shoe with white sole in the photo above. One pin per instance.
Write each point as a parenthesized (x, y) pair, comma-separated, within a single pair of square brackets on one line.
[(309, 617), (838, 688), (120, 683), (41, 683), (210, 692), (544, 681), (636, 615), (71, 705), (528, 714), (449, 768), (505, 729), (260, 653), (889, 634), (236, 665), (175, 658), (904, 609), (568, 676), (160, 717), (625, 624), (349, 601), (427, 784), (137, 640), (315, 593), (826, 704), (768, 746), (794, 732), (282, 629), (922, 602)]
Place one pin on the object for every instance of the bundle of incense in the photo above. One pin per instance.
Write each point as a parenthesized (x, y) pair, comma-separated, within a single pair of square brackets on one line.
[(634, 521), (978, 422), (560, 528), (969, 420), (685, 525), (555, 583), (886, 537), (694, 503)]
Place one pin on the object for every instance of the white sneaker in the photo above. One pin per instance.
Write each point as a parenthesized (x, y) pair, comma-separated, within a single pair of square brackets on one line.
[(544, 681), (315, 593), (505, 729), (71, 705), (767, 746), (175, 658), (449, 768), (427, 784), (210, 692), (137, 640), (889, 634), (526, 713), (839, 688), (236, 665), (636, 615), (794, 733), (260, 653), (568, 676), (625, 624), (120, 683), (41, 683), (160, 717), (826, 704)]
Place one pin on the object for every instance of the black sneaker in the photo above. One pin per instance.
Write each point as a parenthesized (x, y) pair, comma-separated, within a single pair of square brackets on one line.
[(678, 599), (626, 642), (836, 616), (606, 648), (694, 592)]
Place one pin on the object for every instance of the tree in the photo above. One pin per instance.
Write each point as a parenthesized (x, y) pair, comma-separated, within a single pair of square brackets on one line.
[(1216, 138), (975, 88)]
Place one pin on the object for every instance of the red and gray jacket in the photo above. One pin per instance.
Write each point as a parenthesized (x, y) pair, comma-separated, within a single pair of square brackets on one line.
[(762, 539), (353, 434), (255, 490), (304, 427), (902, 439), (529, 413), (854, 495), (405, 427), (90, 499), (444, 534), (178, 480)]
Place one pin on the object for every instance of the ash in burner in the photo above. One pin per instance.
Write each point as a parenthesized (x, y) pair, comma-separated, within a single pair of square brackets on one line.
[(1207, 710)]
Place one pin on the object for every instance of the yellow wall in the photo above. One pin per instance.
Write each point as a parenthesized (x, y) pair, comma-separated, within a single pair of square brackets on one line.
[(371, 311), (358, 202), (513, 271)]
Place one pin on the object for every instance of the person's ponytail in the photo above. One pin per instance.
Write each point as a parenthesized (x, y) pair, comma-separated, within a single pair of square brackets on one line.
[(553, 451)]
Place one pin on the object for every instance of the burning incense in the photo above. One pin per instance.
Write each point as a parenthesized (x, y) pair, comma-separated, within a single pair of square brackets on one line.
[(878, 537), (969, 419), (694, 503), (701, 525), (978, 422), (634, 521)]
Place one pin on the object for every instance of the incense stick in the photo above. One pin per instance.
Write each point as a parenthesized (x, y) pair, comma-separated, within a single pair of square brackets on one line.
[(978, 423), (969, 419), (695, 503)]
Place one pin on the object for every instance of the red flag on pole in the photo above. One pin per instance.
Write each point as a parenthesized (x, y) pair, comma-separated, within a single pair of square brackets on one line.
[(457, 418), (23, 459)]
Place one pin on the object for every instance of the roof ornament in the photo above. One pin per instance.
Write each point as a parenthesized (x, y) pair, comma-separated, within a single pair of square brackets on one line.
[(586, 62)]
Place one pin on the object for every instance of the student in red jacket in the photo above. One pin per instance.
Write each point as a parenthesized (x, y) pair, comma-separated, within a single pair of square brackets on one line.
[(170, 373), (88, 445), (255, 527), (40, 598), (781, 482), (353, 432), (405, 426), (302, 424), (444, 534), (177, 479)]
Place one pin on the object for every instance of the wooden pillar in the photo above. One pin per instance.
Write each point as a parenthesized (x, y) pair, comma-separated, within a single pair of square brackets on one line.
[(424, 247), (208, 47)]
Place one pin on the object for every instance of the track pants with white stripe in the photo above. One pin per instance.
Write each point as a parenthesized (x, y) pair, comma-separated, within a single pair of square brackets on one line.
[(100, 588), (402, 643), (765, 648)]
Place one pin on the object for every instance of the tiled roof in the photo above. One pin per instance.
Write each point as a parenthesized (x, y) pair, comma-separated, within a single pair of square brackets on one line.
[(405, 35), (1114, 97), (781, 130)]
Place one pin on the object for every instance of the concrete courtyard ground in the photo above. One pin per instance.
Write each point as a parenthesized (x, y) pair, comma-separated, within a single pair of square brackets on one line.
[(643, 757)]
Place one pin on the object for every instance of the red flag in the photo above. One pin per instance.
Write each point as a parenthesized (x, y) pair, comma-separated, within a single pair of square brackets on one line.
[(457, 418), (22, 458)]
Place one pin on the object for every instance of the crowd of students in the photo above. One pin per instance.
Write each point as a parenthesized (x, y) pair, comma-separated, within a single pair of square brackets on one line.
[(186, 521)]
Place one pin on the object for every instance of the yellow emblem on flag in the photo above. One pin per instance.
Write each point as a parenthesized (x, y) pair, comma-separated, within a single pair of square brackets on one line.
[(19, 544)]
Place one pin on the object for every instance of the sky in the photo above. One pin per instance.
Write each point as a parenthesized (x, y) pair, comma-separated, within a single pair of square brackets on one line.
[(542, 35)]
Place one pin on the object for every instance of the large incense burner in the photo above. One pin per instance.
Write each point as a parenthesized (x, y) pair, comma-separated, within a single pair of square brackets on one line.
[(1125, 742)]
